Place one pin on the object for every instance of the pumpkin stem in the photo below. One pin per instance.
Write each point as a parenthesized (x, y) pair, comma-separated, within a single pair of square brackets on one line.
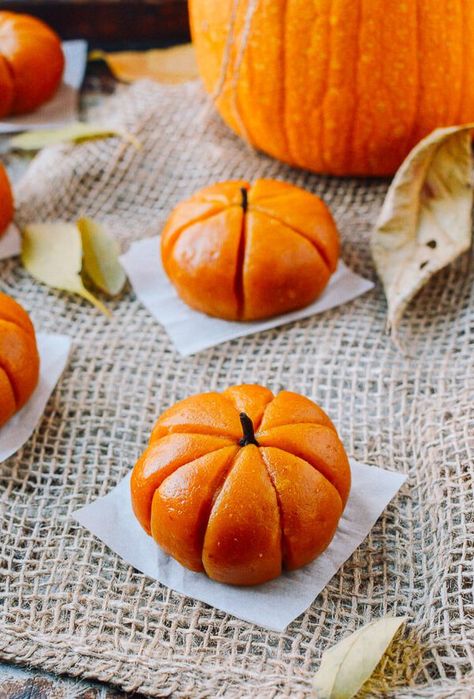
[(245, 199), (247, 429)]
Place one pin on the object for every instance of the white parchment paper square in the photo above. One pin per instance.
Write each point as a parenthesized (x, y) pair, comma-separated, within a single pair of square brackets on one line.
[(192, 331), (54, 352), (10, 242), (273, 605), (63, 106)]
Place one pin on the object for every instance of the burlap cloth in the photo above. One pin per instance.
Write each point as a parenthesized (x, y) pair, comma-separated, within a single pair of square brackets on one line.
[(70, 605)]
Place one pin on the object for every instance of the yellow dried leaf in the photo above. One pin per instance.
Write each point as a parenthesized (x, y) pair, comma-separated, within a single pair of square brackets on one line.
[(100, 261), (348, 665), (52, 253), (76, 131), (425, 223), (172, 65)]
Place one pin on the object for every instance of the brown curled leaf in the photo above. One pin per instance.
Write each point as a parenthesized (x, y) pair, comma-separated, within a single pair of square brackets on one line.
[(425, 223)]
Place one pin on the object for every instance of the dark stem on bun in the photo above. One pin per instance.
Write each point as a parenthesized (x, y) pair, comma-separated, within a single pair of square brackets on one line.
[(245, 199), (248, 432)]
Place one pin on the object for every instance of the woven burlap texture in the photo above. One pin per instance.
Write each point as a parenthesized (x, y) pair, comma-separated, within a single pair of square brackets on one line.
[(70, 605)]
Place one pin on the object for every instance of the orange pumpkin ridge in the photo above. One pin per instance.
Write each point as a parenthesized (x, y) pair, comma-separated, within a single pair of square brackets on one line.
[(269, 248), (234, 502), (317, 247)]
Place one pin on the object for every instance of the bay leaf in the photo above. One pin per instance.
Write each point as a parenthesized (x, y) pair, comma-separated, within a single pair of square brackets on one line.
[(171, 65), (100, 257), (75, 132), (425, 223), (348, 665), (52, 254)]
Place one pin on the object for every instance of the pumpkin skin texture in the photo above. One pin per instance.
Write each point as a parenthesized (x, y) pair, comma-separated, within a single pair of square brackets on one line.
[(31, 63), (243, 252), (242, 484), (343, 87), (6, 201), (19, 359)]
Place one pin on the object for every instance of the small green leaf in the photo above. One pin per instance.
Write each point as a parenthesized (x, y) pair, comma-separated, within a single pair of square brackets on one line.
[(348, 665), (52, 253), (101, 253), (77, 131)]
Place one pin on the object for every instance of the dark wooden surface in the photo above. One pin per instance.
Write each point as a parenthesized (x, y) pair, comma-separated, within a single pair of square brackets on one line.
[(111, 21)]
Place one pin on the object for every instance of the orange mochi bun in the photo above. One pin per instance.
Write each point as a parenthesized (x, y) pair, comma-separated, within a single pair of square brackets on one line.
[(31, 63), (246, 252), (19, 359), (242, 484)]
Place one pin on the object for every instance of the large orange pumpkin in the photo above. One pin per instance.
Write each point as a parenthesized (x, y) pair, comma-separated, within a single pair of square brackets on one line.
[(31, 63), (19, 359), (243, 483), (344, 87), (244, 252), (6, 200)]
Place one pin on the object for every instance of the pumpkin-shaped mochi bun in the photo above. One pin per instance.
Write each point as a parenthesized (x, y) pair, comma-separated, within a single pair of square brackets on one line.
[(6, 200), (31, 63), (242, 484), (19, 359), (243, 252)]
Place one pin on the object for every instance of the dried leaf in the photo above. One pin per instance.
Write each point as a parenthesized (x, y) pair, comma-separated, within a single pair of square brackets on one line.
[(77, 131), (425, 222), (100, 261), (172, 65), (348, 665), (52, 253)]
